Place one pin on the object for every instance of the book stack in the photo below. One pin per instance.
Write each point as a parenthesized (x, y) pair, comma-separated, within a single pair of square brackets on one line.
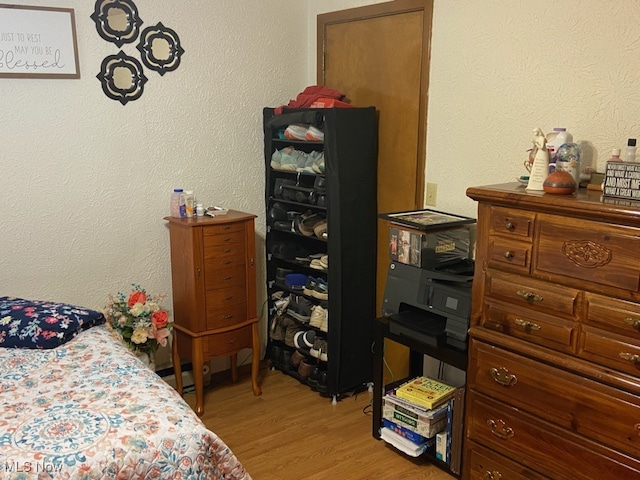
[(425, 392), (414, 413)]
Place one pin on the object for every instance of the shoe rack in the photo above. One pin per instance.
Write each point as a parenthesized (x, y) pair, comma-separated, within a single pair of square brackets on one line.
[(320, 199)]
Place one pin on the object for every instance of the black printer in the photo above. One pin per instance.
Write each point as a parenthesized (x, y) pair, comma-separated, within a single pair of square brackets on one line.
[(428, 288)]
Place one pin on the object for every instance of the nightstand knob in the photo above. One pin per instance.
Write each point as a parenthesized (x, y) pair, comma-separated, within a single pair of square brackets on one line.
[(509, 226), (495, 475), (508, 254), (529, 296), (526, 325)]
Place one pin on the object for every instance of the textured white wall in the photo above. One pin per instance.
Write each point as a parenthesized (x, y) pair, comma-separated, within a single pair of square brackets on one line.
[(501, 68)]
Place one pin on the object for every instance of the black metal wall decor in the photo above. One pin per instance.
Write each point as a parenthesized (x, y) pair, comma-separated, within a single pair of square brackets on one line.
[(117, 21), (160, 48), (122, 78)]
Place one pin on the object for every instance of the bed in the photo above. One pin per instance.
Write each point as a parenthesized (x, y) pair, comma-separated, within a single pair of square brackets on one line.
[(87, 408)]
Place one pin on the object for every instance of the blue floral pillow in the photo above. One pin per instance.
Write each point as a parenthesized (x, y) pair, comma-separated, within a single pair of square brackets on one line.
[(40, 324)]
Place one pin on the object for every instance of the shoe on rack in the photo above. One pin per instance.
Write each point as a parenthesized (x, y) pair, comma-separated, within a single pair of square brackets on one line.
[(313, 378), (314, 134), (306, 227), (324, 261), (321, 290), (285, 360), (296, 131), (317, 264), (320, 185), (290, 334), (320, 229), (286, 159), (319, 349), (304, 339), (295, 281), (318, 163), (323, 384), (281, 273), (310, 286), (296, 358), (300, 308), (318, 317), (305, 368)]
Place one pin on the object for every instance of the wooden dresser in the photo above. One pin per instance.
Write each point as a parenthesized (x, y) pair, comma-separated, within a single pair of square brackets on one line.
[(553, 387), (214, 293)]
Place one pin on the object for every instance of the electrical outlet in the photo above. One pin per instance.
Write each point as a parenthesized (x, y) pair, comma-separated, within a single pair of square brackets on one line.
[(432, 192)]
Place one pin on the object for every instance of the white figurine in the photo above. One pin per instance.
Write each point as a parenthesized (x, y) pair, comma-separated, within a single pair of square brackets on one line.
[(540, 167)]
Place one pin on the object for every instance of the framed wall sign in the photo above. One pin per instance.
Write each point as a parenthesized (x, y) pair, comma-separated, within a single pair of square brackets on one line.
[(38, 42)]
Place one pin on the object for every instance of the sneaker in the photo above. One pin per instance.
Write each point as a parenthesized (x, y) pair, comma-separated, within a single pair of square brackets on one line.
[(319, 349), (300, 308), (286, 159), (281, 274), (295, 281), (318, 163), (296, 132), (314, 134), (321, 290), (304, 339), (310, 286), (318, 317)]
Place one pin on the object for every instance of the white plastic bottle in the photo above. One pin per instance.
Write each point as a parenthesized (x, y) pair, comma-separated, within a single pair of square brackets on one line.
[(615, 155), (189, 200), (630, 154), (555, 140), (176, 196)]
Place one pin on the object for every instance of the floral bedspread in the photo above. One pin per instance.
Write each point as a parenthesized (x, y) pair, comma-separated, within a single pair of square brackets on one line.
[(89, 409)]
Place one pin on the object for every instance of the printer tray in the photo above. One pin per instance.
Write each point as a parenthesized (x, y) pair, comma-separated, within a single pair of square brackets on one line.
[(420, 326)]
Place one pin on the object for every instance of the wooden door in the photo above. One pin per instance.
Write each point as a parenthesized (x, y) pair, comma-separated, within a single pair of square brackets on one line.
[(379, 55)]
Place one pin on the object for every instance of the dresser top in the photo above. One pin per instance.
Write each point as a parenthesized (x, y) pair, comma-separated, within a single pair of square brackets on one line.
[(584, 203)]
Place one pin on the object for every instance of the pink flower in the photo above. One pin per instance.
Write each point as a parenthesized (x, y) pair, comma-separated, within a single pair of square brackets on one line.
[(161, 336), (160, 318), (136, 297)]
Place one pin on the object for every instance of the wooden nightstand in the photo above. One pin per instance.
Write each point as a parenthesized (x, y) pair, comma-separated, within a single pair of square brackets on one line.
[(214, 293)]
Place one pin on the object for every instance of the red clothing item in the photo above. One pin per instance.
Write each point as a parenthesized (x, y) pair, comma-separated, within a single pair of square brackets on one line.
[(311, 94)]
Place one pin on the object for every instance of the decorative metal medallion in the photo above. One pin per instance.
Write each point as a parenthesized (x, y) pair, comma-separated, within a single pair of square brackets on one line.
[(160, 48), (117, 21), (585, 253), (122, 77)]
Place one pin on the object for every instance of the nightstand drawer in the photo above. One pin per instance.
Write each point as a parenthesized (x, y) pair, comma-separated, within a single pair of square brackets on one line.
[(538, 328), (234, 257), (227, 315), (592, 252), (224, 228), (224, 277), (535, 294), (542, 446), (511, 222), (614, 315), (227, 238), (578, 404), (228, 342)]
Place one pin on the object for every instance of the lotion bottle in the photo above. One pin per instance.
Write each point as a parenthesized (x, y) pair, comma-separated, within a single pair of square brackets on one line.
[(630, 155)]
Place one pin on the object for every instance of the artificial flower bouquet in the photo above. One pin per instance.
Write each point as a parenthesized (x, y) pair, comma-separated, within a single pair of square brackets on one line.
[(139, 319)]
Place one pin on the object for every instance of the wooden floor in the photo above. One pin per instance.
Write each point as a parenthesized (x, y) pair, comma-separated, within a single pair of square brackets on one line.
[(291, 432)]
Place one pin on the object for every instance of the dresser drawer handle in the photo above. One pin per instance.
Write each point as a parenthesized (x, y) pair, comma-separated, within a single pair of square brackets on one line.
[(635, 359), (509, 225), (526, 325), (529, 296), (227, 262), (226, 278), (509, 254), (227, 316), (499, 429), (231, 341), (228, 297), (503, 377), (634, 322), (226, 239), (495, 475)]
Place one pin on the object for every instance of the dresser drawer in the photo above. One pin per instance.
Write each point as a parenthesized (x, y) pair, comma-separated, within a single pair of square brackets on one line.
[(224, 277), (536, 294), (511, 222), (583, 406), (547, 330), (224, 260), (542, 446), (614, 315), (508, 254), (228, 342), (592, 252), (483, 464), (609, 349), (227, 238)]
